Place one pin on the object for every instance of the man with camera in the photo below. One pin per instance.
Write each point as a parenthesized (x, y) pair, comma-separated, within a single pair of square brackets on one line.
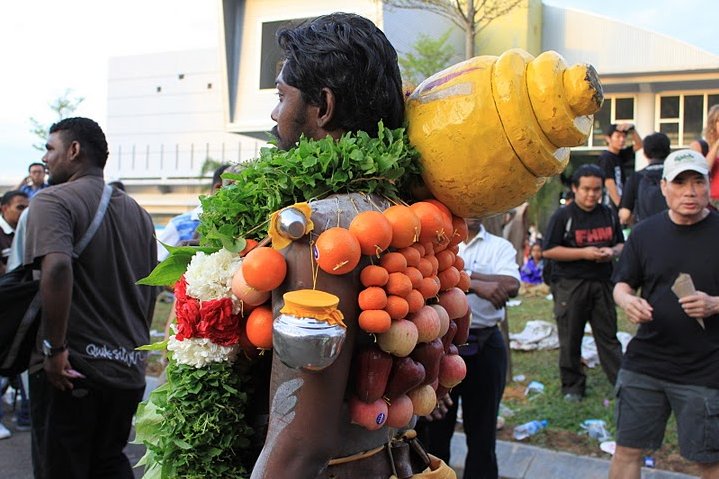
[(615, 157)]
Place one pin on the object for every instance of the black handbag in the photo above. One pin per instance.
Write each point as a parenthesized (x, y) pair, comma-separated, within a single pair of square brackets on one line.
[(20, 304)]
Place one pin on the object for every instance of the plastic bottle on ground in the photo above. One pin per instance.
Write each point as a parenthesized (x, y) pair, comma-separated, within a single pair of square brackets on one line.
[(529, 429)]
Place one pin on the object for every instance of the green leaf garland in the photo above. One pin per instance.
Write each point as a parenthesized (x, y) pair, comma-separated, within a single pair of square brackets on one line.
[(385, 165)]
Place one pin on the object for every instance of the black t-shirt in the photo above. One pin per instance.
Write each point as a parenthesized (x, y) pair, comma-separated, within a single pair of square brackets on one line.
[(599, 227), (630, 198), (613, 167), (673, 346), (110, 315)]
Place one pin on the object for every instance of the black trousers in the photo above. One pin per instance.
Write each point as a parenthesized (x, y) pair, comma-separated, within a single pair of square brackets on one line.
[(481, 391), (80, 434), (577, 301)]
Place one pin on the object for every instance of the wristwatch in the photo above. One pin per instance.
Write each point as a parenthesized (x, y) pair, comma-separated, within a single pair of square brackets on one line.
[(48, 350)]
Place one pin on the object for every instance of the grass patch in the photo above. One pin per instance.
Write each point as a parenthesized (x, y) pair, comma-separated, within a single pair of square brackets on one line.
[(564, 419)]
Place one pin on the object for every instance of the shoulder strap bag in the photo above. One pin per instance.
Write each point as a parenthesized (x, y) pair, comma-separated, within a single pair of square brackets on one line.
[(20, 300)]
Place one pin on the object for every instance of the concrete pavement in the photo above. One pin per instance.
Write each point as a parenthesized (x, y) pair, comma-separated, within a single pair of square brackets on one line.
[(516, 460)]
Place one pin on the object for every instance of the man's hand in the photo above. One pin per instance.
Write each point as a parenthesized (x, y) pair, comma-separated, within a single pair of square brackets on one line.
[(59, 372), (607, 254), (638, 309), (700, 305), (443, 405), (492, 291), (592, 253)]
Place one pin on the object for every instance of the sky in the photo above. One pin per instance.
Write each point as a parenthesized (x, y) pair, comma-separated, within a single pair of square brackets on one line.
[(50, 46)]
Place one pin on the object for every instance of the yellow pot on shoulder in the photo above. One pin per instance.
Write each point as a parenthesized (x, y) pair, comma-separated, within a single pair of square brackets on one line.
[(490, 130)]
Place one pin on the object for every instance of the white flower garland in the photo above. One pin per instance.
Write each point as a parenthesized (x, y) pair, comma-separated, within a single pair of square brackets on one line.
[(209, 277), (200, 352)]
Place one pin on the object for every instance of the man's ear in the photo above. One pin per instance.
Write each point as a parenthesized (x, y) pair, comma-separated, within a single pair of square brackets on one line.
[(74, 150), (326, 108)]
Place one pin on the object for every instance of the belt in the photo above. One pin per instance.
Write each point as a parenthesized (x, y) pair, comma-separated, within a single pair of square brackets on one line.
[(402, 457)]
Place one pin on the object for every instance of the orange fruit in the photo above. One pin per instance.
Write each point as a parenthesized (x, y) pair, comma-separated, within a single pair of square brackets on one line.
[(446, 213), (250, 244), (397, 307), (414, 275), (432, 224), (398, 284), (435, 264), (372, 298), (448, 278), (429, 287), (411, 255), (445, 259), (375, 321), (464, 281), (415, 301), (393, 262), (259, 327), (458, 263), (264, 268), (373, 232), (337, 251), (405, 225), (419, 248), (459, 230), (425, 267), (374, 276)]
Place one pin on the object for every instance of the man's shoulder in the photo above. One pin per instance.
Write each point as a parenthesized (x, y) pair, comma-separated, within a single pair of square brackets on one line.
[(340, 209)]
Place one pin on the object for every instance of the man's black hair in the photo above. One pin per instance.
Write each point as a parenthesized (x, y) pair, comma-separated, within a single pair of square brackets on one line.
[(9, 195), (216, 176), (656, 146), (587, 170), (35, 164), (86, 132), (352, 57)]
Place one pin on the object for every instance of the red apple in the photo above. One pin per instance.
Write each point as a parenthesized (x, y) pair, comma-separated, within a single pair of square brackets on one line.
[(429, 355), (406, 374), (400, 339), (424, 400), (463, 324), (371, 416), (427, 322), (455, 302), (449, 335), (452, 370), (400, 411), (371, 370), (443, 319)]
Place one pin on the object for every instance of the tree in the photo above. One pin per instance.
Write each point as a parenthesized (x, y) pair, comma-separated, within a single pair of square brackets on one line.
[(63, 106), (429, 55), (472, 16)]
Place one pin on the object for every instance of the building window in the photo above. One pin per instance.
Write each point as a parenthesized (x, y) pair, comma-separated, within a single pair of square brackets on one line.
[(181, 76), (158, 89), (614, 110), (682, 116), (270, 54), (209, 86)]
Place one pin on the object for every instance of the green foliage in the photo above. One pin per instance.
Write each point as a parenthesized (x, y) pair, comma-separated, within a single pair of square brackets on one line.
[(429, 56), (313, 169), (171, 268), (194, 426), (63, 107)]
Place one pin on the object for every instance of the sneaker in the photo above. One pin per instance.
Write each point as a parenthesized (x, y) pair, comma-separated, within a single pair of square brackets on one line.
[(573, 397), (4, 432)]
